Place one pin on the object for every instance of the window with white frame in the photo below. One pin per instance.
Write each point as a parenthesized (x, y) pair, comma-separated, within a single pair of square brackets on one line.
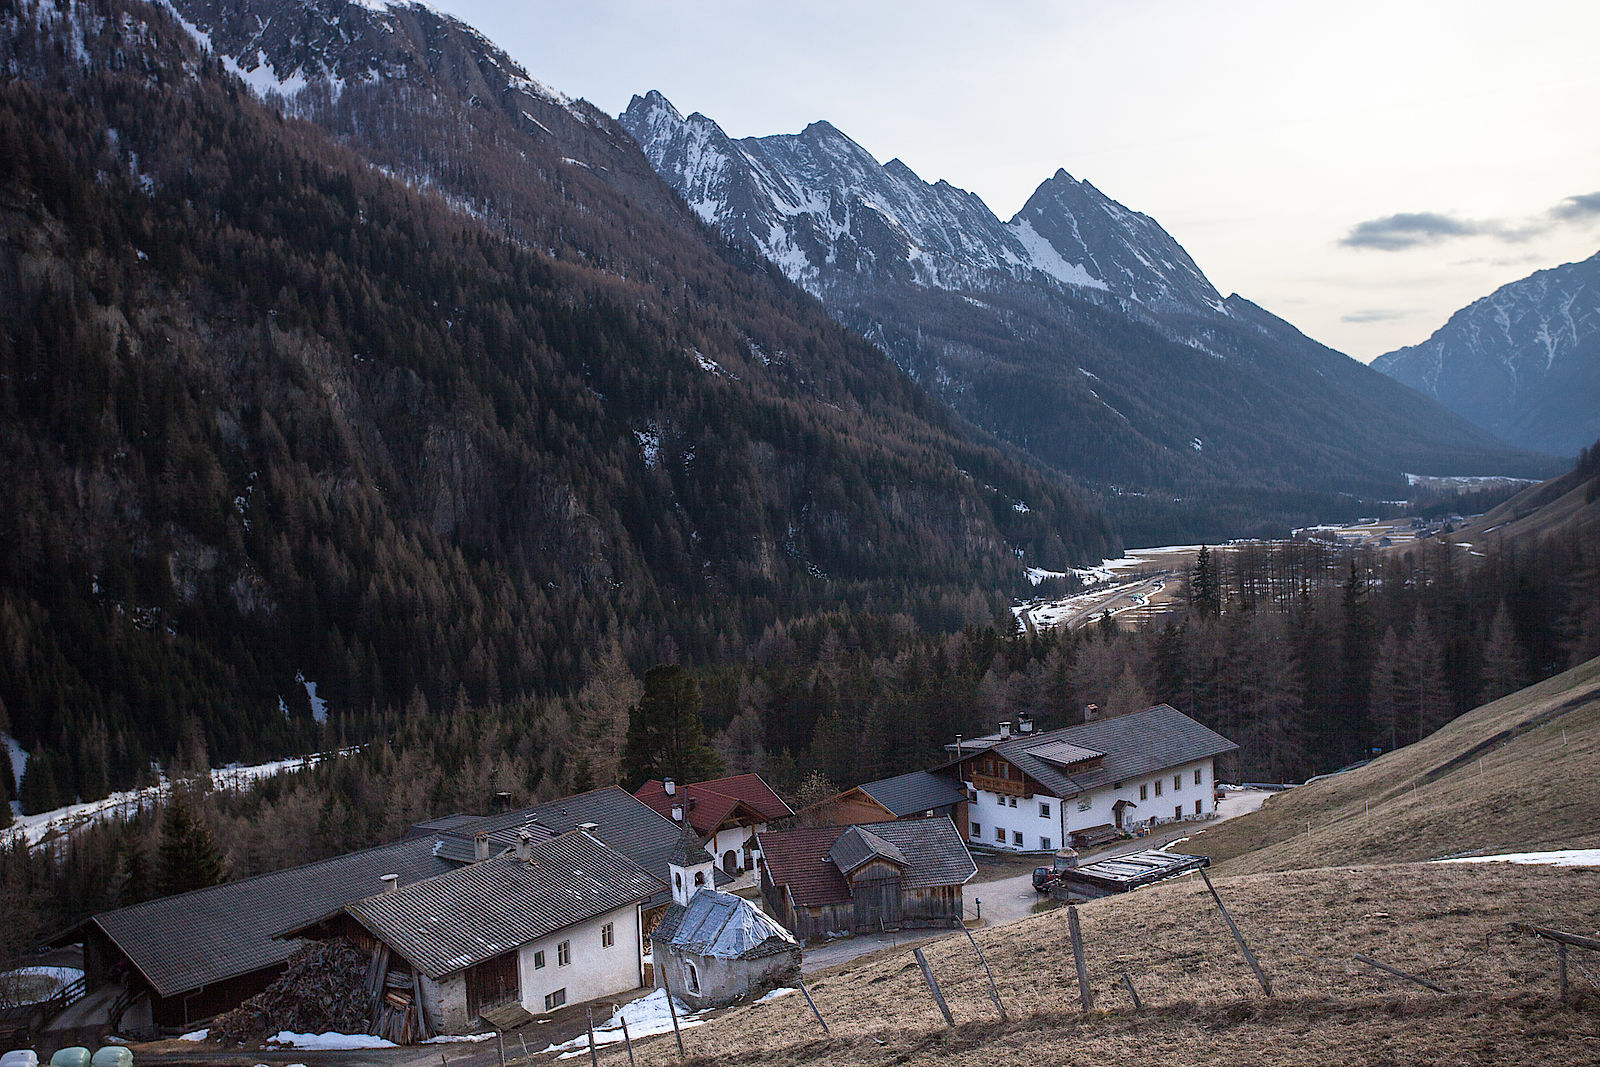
[(1016, 838), (552, 1001), (608, 935), (1000, 834), (1046, 843), (1158, 787), (563, 953), (977, 831), (538, 960), (1144, 792), (1044, 810), (1197, 776), (1177, 782)]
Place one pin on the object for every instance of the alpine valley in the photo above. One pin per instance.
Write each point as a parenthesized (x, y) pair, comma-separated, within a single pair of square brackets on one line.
[(344, 361)]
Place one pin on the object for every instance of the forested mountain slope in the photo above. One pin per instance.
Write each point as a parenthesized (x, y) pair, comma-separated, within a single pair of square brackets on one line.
[(1080, 330), (267, 412)]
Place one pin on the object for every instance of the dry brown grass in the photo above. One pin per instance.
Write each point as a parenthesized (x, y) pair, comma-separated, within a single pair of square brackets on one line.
[(1431, 799), (1201, 1002)]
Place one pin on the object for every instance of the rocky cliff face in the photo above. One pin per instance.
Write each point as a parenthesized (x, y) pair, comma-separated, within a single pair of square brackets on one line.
[(1523, 362)]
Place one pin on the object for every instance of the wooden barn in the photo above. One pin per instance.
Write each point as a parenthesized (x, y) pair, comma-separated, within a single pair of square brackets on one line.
[(824, 880), (917, 795)]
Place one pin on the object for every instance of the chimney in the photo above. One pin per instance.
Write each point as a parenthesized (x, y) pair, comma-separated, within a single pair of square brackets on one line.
[(670, 786), (1025, 724), (391, 882), (589, 827), (1005, 729), (525, 846), (1091, 712), (677, 813), (480, 847), (958, 746)]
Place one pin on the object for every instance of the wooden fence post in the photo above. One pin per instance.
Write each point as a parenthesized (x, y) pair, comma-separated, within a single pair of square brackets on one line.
[(500, 1043), (525, 1057), (1132, 992), (1250, 957), (1085, 994), (626, 1038), (1561, 959), (588, 1018), (807, 993), (673, 1011), (938, 997), (1370, 962), (994, 994)]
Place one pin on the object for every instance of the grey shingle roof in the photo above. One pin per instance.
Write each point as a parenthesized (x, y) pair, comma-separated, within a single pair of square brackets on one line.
[(858, 845), (623, 823), (209, 935), (935, 851), (907, 794), (1142, 743), (470, 914), (724, 926), (689, 852)]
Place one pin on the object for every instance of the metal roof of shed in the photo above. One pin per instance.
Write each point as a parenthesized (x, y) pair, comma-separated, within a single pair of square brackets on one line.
[(907, 794), (725, 926)]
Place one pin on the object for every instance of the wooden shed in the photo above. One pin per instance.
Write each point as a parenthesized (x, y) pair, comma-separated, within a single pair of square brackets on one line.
[(900, 875)]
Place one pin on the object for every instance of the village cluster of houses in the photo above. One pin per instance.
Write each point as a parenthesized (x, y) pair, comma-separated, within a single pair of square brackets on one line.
[(524, 912)]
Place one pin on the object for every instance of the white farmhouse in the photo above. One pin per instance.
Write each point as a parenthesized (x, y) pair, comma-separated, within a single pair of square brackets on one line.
[(1080, 785), (551, 923)]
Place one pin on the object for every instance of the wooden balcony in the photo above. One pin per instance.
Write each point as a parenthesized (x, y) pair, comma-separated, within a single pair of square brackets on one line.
[(1004, 786)]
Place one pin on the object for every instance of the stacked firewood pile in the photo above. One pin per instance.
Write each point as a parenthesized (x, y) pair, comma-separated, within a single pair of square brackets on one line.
[(395, 995), (324, 990)]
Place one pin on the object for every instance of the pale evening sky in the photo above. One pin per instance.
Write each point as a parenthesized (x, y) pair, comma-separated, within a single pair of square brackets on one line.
[(1361, 169)]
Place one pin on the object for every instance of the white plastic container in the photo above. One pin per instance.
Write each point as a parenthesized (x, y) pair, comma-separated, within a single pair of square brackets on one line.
[(20, 1057)]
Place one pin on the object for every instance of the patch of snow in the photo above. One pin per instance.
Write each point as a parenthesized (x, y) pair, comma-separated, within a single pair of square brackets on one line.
[(647, 1016), (1570, 857), (1039, 574), (448, 1039), (59, 978), (649, 445), (1194, 443), (290, 1039), (319, 707), (19, 761), (781, 991), (195, 1035), (1044, 256), (1019, 507)]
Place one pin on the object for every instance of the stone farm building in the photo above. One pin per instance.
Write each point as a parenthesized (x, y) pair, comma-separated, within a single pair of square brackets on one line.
[(551, 923), (713, 948), (1080, 785), (820, 880)]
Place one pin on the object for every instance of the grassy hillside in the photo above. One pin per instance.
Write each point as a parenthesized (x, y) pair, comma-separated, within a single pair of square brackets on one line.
[(1200, 1001), (1569, 504), (1533, 789)]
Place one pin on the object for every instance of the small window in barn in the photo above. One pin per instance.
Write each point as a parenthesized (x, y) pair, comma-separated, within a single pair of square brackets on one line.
[(1144, 792), (1016, 838), (1158, 787), (977, 831), (1197, 807), (608, 935), (1044, 810), (538, 959), (1000, 834), (1046, 843), (552, 1001), (563, 953), (1197, 776), (694, 979)]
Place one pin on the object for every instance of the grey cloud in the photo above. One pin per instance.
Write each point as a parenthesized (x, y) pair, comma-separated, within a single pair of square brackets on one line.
[(1583, 206), (1371, 315), (1414, 229), (1408, 230)]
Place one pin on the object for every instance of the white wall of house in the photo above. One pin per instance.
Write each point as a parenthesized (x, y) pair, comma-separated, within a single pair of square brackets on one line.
[(734, 837), (594, 971), (1042, 822)]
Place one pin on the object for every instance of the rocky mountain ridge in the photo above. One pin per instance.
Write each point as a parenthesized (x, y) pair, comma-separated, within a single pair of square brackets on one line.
[(1522, 362)]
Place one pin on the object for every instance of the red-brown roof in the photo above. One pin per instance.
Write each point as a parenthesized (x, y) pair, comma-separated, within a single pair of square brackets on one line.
[(799, 859), (744, 796)]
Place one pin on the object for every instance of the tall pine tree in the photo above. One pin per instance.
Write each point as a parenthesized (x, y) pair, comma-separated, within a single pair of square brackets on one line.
[(188, 857)]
